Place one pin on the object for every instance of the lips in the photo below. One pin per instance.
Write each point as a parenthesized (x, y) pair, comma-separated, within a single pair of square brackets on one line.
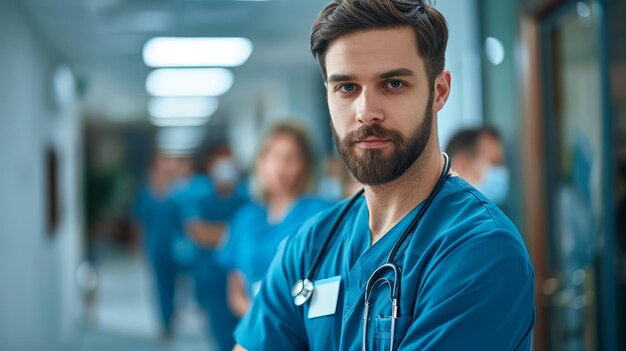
[(371, 136), (372, 143)]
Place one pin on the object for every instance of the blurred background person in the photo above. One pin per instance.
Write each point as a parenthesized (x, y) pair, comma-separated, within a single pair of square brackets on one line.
[(182, 192), (158, 221), (284, 170), (336, 182), (477, 155), (79, 122), (331, 186), (207, 201)]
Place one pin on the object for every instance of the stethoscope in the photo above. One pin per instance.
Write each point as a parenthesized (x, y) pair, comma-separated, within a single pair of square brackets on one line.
[(303, 289)]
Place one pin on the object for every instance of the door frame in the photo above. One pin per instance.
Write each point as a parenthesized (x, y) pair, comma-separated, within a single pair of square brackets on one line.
[(537, 100)]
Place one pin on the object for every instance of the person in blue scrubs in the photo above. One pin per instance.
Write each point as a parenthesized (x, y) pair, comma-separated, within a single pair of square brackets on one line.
[(208, 202), (477, 155), (158, 220), (283, 174), (466, 278)]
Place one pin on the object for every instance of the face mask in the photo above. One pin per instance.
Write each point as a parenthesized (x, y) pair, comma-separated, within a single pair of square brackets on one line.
[(495, 183), (224, 172), (330, 189)]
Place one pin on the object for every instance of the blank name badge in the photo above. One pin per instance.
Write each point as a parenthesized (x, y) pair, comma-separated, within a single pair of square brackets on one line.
[(325, 295)]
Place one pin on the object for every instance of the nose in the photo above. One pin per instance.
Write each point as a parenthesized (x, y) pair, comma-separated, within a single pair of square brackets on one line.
[(368, 108)]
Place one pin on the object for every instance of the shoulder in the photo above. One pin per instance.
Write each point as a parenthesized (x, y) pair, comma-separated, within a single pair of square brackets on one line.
[(313, 203), (193, 185), (314, 230), (248, 211), (242, 188), (465, 223), (180, 188), (470, 213)]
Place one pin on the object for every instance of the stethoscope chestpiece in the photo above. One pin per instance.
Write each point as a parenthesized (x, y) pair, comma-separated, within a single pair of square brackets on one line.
[(302, 291)]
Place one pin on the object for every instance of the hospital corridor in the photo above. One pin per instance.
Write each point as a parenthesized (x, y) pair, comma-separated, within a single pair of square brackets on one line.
[(129, 323), (217, 175)]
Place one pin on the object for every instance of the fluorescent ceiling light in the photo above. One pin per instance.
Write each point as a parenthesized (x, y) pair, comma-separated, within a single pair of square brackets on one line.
[(196, 52), (182, 107), (189, 81), (178, 122), (179, 140)]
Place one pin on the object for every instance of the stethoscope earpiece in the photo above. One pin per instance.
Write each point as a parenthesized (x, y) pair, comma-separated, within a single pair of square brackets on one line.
[(302, 291)]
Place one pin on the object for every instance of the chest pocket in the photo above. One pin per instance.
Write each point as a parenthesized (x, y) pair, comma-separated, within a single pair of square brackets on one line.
[(382, 332)]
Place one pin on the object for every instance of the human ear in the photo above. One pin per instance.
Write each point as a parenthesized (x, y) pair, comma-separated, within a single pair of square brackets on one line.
[(442, 90)]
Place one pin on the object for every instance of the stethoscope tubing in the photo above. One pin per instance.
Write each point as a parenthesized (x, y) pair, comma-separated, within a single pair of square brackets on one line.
[(322, 250), (303, 292), (395, 285)]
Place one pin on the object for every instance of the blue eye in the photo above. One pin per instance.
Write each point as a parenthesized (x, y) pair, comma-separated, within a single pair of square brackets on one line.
[(395, 84), (347, 88)]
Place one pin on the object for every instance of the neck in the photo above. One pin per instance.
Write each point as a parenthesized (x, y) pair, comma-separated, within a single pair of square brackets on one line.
[(389, 203), (158, 184), (278, 205), (225, 189)]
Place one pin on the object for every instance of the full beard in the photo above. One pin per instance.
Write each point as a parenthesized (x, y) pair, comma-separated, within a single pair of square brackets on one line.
[(372, 166)]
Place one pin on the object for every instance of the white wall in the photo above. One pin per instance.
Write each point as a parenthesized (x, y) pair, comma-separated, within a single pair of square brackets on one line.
[(287, 96), (463, 59), (302, 94), (39, 302)]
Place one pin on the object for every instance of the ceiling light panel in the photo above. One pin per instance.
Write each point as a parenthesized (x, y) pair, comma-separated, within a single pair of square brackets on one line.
[(189, 82), (196, 52), (182, 107)]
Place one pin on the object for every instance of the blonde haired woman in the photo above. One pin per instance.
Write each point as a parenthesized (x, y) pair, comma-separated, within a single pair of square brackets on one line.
[(283, 175)]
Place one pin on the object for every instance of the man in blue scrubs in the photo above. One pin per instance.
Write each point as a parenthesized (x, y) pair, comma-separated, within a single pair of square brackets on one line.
[(207, 202), (467, 281), (477, 155), (158, 219)]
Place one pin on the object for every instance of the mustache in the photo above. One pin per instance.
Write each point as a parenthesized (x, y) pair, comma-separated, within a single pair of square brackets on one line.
[(372, 130)]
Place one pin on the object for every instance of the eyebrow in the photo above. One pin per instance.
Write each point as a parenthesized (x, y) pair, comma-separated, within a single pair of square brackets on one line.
[(334, 78), (400, 72)]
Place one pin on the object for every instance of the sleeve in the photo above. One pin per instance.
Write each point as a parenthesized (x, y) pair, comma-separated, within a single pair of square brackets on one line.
[(479, 296), (273, 321), (226, 253), (229, 248), (188, 204)]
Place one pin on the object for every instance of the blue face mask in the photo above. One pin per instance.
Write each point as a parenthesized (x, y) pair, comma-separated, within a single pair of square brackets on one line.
[(225, 172), (495, 183), (330, 189)]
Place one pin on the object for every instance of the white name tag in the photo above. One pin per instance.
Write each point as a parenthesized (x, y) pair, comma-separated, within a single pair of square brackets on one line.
[(325, 295), (255, 287)]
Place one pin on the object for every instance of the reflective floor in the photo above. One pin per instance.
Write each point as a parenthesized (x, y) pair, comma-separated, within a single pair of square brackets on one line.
[(123, 315)]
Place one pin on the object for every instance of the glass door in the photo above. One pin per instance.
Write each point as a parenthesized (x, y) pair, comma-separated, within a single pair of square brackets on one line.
[(616, 56), (574, 141)]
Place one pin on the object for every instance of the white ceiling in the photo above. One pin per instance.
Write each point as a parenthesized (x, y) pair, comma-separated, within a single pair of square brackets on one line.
[(102, 41)]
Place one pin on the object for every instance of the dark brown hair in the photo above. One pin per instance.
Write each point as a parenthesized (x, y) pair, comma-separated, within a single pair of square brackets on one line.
[(342, 17), (466, 140)]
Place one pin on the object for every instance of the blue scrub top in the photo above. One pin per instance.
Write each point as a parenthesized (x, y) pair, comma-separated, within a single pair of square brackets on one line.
[(160, 221), (252, 241), (199, 199), (467, 282)]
